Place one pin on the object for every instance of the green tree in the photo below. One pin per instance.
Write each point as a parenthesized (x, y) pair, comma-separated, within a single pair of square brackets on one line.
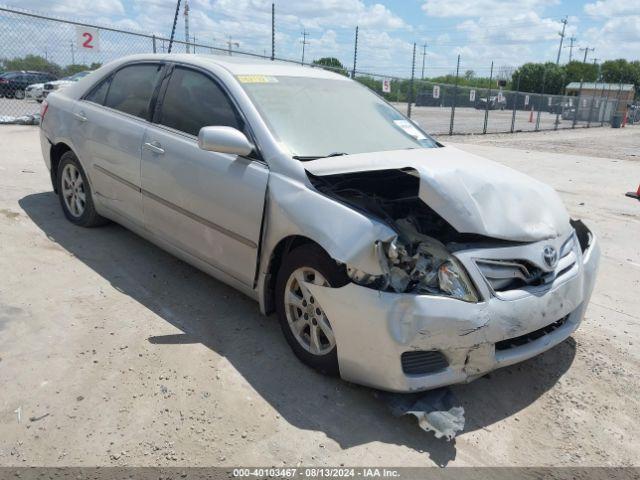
[(580, 71), (539, 77), (621, 71), (73, 69), (32, 62), (332, 64)]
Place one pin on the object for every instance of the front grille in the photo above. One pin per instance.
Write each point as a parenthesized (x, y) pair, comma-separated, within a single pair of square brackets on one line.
[(505, 275), (419, 362), (48, 87), (531, 336)]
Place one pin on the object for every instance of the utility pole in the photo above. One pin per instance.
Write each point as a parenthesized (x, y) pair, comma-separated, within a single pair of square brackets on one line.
[(73, 54), (413, 71), (304, 42), (273, 31), (455, 95), (355, 55), (572, 41), (186, 23), (424, 54), (173, 29), (586, 52), (564, 26)]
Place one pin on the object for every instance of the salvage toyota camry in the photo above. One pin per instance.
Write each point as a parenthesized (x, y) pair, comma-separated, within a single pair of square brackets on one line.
[(390, 259)]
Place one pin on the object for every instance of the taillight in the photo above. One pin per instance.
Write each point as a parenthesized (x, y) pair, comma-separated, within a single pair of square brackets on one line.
[(4, 80), (43, 110)]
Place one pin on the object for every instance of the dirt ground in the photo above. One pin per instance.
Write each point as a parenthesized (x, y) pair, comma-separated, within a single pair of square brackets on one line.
[(113, 352), (469, 120), (605, 142)]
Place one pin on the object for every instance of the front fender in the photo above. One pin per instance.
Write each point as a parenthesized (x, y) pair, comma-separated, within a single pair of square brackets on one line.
[(348, 236)]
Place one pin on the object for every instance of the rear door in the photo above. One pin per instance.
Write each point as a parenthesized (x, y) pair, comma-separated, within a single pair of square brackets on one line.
[(109, 128), (207, 204)]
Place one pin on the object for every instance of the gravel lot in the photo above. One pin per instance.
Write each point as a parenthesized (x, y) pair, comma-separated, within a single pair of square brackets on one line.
[(470, 120), (115, 353)]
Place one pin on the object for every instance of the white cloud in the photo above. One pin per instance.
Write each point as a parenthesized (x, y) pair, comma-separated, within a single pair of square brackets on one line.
[(476, 8), (617, 38), (71, 8), (611, 8), (526, 28)]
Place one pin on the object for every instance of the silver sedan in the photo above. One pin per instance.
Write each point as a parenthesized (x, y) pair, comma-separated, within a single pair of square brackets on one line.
[(390, 259)]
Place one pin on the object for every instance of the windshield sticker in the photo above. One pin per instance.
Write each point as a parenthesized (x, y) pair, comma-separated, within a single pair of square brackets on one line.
[(410, 129), (256, 79)]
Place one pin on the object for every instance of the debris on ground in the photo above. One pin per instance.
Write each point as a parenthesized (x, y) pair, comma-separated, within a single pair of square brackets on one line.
[(22, 120), (436, 410), (35, 419)]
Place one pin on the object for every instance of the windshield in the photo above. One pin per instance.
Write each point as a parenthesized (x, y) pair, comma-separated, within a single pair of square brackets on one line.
[(316, 117)]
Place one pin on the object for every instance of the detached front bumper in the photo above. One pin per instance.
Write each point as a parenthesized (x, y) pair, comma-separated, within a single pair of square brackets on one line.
[(373, 329)]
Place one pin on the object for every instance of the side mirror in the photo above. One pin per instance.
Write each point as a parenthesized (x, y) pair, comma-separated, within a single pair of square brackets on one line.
[(224, 140)]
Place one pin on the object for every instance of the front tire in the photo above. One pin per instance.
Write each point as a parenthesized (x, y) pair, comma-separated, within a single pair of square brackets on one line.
[(18, 94), (75, 193), (302, 319)]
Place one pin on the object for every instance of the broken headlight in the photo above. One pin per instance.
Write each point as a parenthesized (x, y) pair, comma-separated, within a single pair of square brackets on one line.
[(416, 263), (424, 268)]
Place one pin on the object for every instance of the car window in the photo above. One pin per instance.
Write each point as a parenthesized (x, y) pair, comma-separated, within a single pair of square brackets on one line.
[(193, 101), (132, 88), (99, 93)]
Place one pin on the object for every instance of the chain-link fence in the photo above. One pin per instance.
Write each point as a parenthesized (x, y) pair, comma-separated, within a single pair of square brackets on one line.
[(54, 48)]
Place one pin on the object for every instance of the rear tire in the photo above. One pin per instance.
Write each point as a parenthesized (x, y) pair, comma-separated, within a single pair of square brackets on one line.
[(75, 193), (306, 327)]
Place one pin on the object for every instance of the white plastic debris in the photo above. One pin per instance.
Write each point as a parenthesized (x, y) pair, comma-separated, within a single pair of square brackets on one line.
[(22, 120), (442, 423), (435, 410)]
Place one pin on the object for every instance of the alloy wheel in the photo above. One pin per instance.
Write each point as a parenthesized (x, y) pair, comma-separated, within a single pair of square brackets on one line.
[(305, 316), (73, 191)]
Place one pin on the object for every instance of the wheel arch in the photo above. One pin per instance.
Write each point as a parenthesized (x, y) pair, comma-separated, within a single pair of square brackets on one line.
[(57, 150), (277, 255)]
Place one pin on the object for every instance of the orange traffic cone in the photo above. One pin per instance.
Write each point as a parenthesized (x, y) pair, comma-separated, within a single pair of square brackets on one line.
[(635, 195)]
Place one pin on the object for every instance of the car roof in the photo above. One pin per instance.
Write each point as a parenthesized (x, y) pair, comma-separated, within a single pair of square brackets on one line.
[(242, 65)]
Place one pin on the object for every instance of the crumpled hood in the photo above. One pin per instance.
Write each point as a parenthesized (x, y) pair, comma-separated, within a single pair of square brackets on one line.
[(473, 194)]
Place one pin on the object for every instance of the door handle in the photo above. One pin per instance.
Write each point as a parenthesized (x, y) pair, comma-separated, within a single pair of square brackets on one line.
[(154, 147), (80, 116)]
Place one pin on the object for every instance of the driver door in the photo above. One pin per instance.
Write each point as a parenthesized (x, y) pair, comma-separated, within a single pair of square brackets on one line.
[(205, 203)]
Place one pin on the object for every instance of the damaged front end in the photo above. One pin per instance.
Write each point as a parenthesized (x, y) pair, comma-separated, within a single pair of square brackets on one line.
[(414, 261), (446, 307)]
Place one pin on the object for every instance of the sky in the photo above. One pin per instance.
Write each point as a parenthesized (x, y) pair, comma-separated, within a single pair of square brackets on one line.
[(508, 33)]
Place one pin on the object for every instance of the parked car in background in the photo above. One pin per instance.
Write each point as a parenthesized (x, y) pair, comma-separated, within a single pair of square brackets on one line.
[(63, 82), (391, 259), (34, 92), (495, 103), (14, 84)]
